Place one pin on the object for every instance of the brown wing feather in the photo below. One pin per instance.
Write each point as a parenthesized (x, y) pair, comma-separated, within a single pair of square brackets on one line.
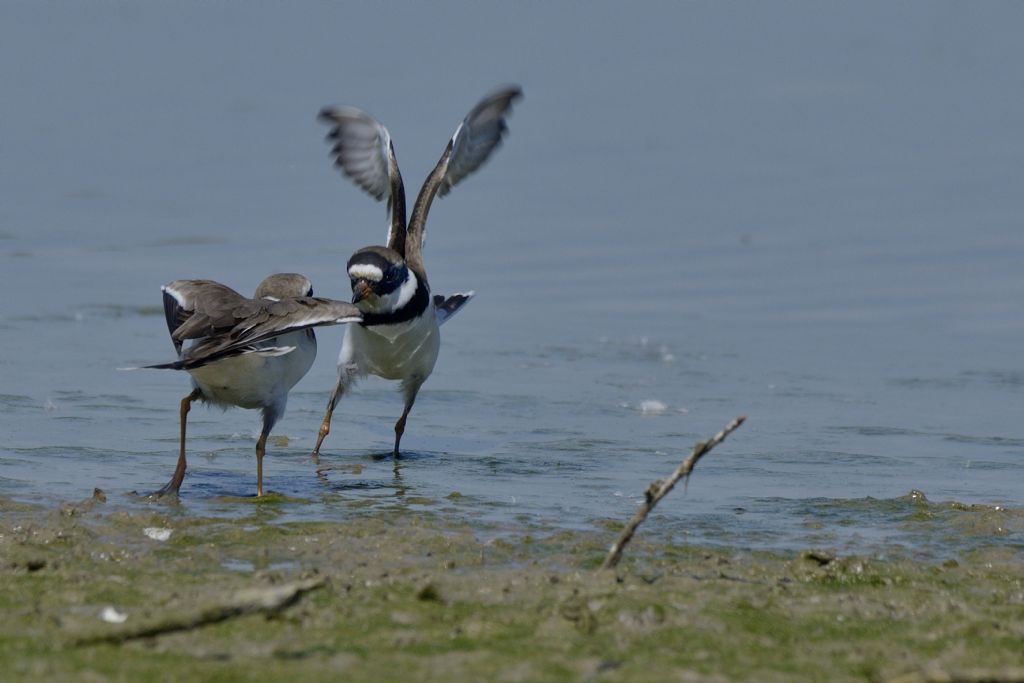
[(198, 308), (475, 139), (251, 321)]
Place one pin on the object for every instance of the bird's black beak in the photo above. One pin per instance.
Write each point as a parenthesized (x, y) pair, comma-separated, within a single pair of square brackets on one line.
[(361, 290)]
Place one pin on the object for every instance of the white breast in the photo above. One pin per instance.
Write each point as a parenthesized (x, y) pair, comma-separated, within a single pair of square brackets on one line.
[(255, 380), (393, 351)]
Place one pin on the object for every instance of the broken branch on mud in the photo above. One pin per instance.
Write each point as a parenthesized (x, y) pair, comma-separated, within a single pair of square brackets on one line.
[(242, 603), (659, 489)]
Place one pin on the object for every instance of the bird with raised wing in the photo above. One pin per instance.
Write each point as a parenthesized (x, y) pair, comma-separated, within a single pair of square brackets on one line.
[(398, 338), (245, 352)]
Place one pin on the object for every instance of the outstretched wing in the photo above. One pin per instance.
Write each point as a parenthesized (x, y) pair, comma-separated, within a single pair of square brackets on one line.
[(479, 134), (265, 319), (362, 149), (276, 318), (446, 307), (223, 323), (475, 139)]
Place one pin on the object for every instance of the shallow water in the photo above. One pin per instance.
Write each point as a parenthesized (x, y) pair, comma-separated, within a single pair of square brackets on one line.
[(809, 217)]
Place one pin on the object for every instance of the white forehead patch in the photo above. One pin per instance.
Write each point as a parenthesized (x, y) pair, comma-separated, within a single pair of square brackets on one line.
[(365, 271)]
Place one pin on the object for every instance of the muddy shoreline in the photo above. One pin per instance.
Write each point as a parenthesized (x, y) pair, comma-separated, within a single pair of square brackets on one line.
[(93, 592)]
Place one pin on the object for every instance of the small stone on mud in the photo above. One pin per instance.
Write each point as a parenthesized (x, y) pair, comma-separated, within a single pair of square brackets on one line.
[(157, 533), (112, 616), (917, 496)]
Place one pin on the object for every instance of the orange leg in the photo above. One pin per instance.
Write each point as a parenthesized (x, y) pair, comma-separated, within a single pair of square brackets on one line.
[(400, 425), (325, 426), (325, 429), (261, 449), (179, 471)]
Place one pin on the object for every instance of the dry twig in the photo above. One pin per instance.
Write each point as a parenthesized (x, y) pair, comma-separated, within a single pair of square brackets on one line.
[(659, 489), (248, 601)]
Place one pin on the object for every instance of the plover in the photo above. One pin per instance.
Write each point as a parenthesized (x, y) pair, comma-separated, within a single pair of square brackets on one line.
[(398, 338), (245, 352)]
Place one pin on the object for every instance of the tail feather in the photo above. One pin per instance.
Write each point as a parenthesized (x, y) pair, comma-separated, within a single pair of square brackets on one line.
[(174, 365), (446, 307)]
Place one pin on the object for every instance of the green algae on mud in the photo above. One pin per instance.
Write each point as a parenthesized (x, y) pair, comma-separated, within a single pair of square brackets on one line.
[(415, 596)]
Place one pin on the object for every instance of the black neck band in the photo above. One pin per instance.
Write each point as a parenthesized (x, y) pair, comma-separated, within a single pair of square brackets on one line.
[(412, 309)]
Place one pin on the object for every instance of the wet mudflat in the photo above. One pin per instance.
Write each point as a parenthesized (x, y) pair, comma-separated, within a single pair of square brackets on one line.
[(92, 591), (802, 213)]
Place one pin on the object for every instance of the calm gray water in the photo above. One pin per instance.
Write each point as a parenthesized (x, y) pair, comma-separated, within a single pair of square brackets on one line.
[(811, 216)]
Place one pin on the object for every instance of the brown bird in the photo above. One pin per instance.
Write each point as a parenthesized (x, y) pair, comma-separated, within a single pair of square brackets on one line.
[(245, 352)]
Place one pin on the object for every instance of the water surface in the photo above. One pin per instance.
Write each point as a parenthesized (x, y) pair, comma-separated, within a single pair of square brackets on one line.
[(809, 216)]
